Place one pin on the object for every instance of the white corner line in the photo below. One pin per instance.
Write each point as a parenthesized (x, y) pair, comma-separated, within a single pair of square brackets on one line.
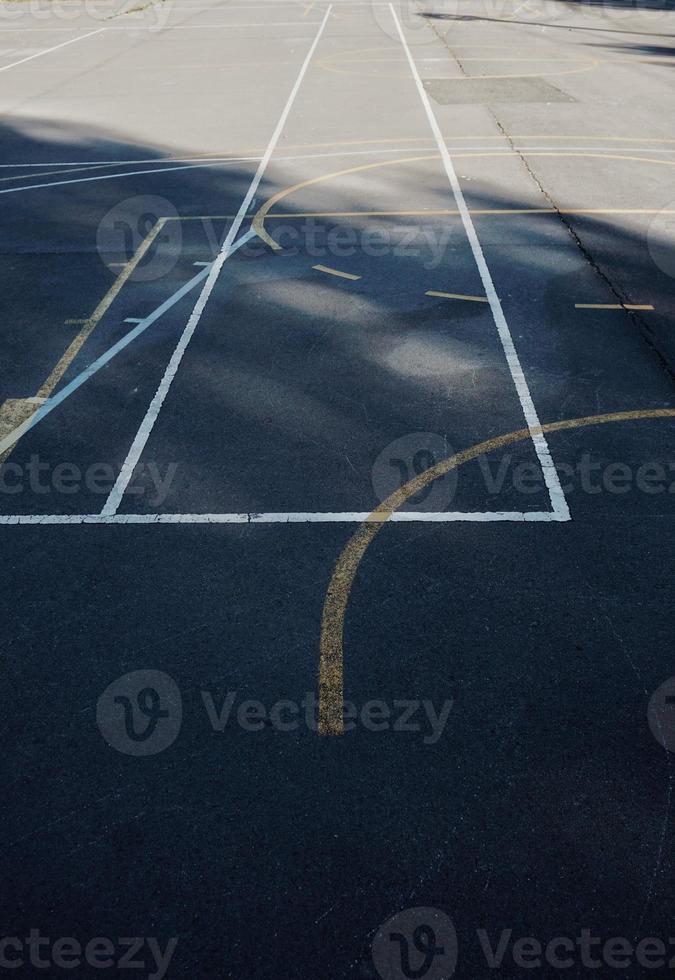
[(556, 494), (146, 427), (56, 47), (346, 517)]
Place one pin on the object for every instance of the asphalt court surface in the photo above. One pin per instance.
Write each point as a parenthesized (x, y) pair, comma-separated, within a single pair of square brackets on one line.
[(443, 223)]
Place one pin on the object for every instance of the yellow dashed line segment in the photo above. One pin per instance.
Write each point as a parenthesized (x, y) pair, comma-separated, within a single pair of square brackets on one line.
[(470, 299), (335, 272), (612, 306)]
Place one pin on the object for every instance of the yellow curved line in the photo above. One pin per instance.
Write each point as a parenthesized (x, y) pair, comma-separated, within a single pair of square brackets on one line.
[(327, 64), (530, 74), (258, 223), (331, 693), (227, 154)]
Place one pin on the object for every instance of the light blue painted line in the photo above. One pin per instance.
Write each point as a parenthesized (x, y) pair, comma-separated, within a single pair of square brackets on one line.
[(51, 403), (55, 400)]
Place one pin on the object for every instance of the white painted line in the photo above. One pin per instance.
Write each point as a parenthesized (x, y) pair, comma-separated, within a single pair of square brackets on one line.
[(346, 517), (201, 263), (154, 409), (55, 48), (558, 502), (337, 153), (134, 319), (116, 176), (225, 161)]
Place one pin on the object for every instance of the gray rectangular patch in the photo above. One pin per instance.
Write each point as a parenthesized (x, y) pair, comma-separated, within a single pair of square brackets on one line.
[(486, 91)]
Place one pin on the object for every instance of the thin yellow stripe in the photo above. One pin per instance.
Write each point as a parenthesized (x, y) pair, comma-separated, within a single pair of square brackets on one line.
[(335, 272), (612, 306), (471, 299)]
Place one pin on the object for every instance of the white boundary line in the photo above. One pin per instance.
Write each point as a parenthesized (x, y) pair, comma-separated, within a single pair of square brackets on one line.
[(305, 156), (558, 502), (143, 434), (119, 176), (347, 517), (229, 161), (55, 48)]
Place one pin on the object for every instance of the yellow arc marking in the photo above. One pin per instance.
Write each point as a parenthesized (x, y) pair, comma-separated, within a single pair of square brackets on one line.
[(471, 299), (335, 272), (334, 63), (258, 222), (331, 684)]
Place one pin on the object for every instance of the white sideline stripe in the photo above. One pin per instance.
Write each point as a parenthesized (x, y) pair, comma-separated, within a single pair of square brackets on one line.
[(117, 176), (335, 153), (138, 445), (558, 502), (347, 517), (225, 161), (218, 162), (54, 48)]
